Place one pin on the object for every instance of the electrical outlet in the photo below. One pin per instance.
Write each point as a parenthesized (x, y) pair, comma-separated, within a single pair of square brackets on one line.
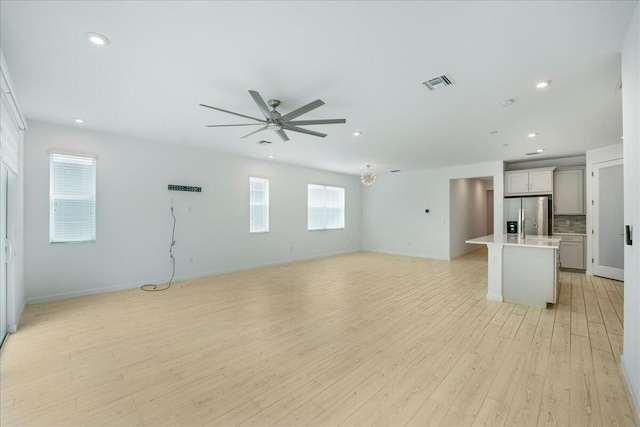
[(190, 259), (290, 248)]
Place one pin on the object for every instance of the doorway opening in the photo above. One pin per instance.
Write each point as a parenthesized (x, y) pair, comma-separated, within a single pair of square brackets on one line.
[(470, 212)]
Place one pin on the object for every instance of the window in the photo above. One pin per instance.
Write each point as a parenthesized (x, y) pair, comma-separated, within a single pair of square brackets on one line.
[(72, 198), (258, 205), (325, 207)]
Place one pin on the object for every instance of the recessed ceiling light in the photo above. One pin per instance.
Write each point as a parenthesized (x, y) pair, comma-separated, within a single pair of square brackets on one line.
[(97, 39), (357, 133), (532, 135), (543, 84), (507, 102), (539, 150), (79, 121), (271, 156), (622, 137)]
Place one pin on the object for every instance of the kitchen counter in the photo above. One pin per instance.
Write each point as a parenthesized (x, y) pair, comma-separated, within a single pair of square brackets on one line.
[(523, 271), (534, 241), (569, 234)]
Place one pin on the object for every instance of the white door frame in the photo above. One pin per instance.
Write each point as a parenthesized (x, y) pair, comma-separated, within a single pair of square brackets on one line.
[(594, 207)]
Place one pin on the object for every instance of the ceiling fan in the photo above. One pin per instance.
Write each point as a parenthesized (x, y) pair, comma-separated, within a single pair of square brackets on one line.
[(277, 122)]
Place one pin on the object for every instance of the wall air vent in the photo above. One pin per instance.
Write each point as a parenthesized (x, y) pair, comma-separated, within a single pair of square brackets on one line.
[(438, 82)]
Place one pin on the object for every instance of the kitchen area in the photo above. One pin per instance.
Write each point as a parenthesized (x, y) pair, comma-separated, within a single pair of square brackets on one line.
[(544, 230)]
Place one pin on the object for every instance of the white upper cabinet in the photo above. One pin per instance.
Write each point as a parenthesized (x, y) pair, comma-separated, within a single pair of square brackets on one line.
[(516, 182), (533, 181), (568, 197)]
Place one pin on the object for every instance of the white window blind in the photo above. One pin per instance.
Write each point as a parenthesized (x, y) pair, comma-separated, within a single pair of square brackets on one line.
[(258, 205), (72, 198), (325, 207)]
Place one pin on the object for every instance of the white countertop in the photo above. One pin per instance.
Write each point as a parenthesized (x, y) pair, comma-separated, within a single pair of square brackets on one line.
[(569, 234), (548, 242)]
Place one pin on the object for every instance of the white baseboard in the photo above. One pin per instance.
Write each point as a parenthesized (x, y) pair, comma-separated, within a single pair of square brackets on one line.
[(13, 327), (494, 297), (635, 395), (409, 254), (123, 286)]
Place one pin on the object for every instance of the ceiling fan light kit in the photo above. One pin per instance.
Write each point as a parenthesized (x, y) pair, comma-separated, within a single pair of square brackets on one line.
[(277, 122), (368, 177)]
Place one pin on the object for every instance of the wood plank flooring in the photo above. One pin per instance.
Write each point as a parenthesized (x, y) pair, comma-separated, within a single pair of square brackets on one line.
[(355, 340)]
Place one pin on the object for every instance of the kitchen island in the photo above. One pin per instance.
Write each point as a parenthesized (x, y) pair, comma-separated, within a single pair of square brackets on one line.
[(523, 271)]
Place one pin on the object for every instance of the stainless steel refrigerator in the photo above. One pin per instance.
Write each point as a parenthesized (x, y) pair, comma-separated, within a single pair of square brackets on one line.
[(536, 207)]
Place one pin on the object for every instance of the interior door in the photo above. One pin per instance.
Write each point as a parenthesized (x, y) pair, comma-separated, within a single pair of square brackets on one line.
[(608, 219)]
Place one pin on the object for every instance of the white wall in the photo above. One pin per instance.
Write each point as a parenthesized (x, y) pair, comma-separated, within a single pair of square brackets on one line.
[(134, 220), (631, 119), (394, 218), (468, 214)]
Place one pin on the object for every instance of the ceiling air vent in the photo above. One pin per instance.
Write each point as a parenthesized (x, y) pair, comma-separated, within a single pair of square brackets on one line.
[(264, 142), (438, 82)]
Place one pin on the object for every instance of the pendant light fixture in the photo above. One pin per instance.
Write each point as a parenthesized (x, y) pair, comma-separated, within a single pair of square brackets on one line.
[(368, 177)]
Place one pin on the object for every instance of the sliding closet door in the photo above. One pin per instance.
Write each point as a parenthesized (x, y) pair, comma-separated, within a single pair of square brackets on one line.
[(3, 253)]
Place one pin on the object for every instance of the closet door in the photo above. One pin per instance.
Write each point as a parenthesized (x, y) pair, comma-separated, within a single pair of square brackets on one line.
[(3, 252)]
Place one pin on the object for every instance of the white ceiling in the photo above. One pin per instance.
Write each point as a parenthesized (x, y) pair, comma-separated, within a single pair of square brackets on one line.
[(366, 60)]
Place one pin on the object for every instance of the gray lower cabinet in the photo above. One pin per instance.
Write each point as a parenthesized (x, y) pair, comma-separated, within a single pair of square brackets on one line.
[(572, 252)]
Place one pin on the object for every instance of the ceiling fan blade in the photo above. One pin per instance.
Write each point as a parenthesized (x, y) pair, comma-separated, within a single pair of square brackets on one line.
[(261, 104), (245, 124), (255, 131), (231, 112), (318, 122), (300, 111), (288, 126), (282, 135)]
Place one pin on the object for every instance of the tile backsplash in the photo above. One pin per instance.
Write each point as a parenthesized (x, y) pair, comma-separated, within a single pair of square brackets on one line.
[(577, 224)]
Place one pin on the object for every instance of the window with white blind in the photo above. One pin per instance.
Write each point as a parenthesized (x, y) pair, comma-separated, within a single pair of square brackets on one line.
[(72, 198), (325, 207), (258, 205)]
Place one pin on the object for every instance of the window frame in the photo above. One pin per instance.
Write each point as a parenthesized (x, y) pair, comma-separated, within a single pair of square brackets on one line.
[(52, 153), (344, 207), (268, 204)]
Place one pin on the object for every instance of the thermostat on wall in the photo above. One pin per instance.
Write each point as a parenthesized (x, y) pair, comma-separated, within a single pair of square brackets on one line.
[(174, 187)]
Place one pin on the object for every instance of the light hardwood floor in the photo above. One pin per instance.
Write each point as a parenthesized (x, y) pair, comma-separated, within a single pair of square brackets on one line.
[(356, 340)]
